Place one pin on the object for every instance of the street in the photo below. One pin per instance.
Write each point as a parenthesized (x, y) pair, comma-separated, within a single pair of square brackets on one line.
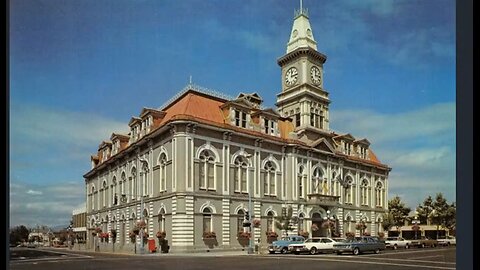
[(433, 258)]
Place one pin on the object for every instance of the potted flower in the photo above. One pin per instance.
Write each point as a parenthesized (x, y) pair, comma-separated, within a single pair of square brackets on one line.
[(141, 224), (349, 234), (132, 236), (209, 235), (360, 226), (304, 234), (271, 234), (314, 227), (366, 234), (328, 224), (243, 235), (98, 230), (256, 223)]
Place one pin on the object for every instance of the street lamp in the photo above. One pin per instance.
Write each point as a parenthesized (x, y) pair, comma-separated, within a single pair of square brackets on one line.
[(415, 222), (249, 222), (329, 219)]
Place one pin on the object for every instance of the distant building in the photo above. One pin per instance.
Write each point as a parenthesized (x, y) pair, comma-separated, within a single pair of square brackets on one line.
[(41, 236), (196, 162), (79, 224)]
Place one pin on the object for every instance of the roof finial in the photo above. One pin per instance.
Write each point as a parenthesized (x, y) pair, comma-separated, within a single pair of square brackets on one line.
[(301, 5), (190, 79)]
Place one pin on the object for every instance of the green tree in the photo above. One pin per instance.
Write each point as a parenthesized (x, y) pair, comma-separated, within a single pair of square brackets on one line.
[(424, 210), (286, 220), (19, 234), (398, 211), (388, 221), (443, 214)]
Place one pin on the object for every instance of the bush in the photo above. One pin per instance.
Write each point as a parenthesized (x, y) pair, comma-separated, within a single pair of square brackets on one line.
[(209, 235)]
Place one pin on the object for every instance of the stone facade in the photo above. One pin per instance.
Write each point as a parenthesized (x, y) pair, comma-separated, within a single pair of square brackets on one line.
[(194, 167)]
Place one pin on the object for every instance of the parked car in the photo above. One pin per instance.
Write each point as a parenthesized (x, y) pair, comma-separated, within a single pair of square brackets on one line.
[(397, 242), (359, 245), (447, 241), (282, 244), (424, 242), (313, 246)]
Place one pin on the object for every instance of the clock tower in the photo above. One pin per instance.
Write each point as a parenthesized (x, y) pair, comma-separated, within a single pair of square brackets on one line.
[(303, 97)]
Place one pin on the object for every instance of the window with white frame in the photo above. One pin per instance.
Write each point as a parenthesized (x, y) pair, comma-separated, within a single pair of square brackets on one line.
[(317, 179), (133, 184), (269, 179), (92, 199), (163, 172), (161, 221), (122, 183), (207, 220), (114, 191), (269, 126), (240, 119), (207, 170), (364, 193), (378, 194), (104, 194), (316, 118), (270, 221), (240, 176), (301, 177), (348, 148), (349, 191), (240, 217)]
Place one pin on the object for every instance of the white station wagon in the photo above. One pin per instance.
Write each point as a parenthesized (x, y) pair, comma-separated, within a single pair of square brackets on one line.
[(313, 246)]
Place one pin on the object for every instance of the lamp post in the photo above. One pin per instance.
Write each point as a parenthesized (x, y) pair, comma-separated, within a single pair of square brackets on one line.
[(434, 215), (329, 219), (415, 224), (249, 223)]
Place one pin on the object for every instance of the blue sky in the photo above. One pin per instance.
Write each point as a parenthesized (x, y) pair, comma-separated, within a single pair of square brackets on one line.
[(80, 69)]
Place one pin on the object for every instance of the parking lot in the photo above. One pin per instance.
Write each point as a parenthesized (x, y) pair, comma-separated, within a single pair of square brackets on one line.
[(428, 258)]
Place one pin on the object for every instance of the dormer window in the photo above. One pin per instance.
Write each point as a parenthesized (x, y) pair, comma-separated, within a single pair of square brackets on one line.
[(363, 152), (269, 126), (240, 119), (348, 147)]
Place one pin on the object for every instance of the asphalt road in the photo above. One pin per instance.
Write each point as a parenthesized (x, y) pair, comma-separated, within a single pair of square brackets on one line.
[(433, 258)]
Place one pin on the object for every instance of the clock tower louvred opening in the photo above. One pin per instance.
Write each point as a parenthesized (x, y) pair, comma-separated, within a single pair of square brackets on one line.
[(303, 96)]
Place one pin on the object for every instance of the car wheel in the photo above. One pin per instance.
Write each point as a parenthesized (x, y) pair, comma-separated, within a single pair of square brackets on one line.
[(313, 250), (423, 245), (356, 251), (377, 251), (284, 250), (271, 252), (407, 246), (394, 247), (448, 244)]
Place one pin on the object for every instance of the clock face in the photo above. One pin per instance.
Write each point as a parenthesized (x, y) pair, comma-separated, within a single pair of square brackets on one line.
[(291, 76), (315, 75)]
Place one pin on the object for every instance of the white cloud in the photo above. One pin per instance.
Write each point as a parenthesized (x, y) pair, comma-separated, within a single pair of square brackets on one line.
[(418, 145), (52, 209), (34, 192)]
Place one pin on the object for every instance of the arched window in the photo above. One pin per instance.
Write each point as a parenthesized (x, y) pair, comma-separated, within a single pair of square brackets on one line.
[(207, 170), (348, 190), (379, 194), (349, 224), (161, 221), (92, 197), (364, 193), (133, 183), (300, 179), (123, 181), (207, 220), (240, 217), (379, 225), (114, 191), (240, 177), (301, 223), (269, 178), (104, 194), (144, 174), (317, 180), (270, 221), (163, 172)]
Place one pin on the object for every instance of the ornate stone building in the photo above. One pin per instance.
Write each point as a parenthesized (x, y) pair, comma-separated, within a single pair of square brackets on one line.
[(192, 166)]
